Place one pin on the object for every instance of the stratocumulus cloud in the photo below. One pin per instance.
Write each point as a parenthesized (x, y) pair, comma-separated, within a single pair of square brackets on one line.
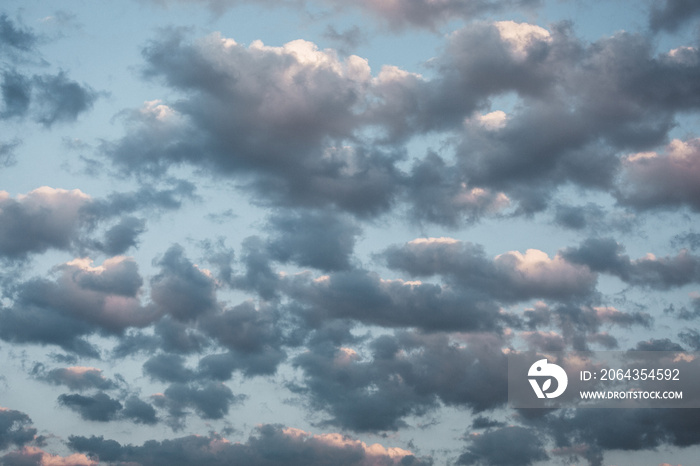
[(312, 232)]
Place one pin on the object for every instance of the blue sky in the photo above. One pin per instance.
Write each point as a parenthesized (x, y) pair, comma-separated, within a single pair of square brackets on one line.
[(308, 232)]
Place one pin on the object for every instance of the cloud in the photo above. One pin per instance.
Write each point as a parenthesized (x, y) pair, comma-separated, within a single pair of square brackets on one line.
[(438, 193), (53, 218), (99, 407), (41, 219), (509, 277), (79, 378), (338, 133), (653, 180), (365, 297), (15, 428), (396, 14), (606, 255), (268, 445), (630, 430), (407, 374), (82, 300), (347, 39), (122, 236), (139, 411), (581, 325), (661, 344), (34, 456), (684, 313), (507, 446), (7, 152), (307, 100), (670, 15), (319, 239), (181, 289), (577, 105), (211, 400), (13, 36), (168, 368), (47, 98), (253, 336), (58, 99), (482, 422), (168, 335), (429, 14), (593, 217)]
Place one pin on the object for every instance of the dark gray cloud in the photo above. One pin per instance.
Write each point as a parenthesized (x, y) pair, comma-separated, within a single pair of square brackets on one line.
[(576, 326), (690, 337), (59, 99), (211, 400), (138, 411), (221, 257), (168, 335), (259, 275), (670, 15), (586, 95), (438, 192), (70, 220), (181, 289), (16, 94), (406, 374), (508, 277), (32, 324), (121, 237), (595, 100), (13, 36), (507, 446), (690, 312), (593, 218), (319, 239), (306, 100), (168, 368), (581, 325), (482, 422), (43, 218), (269, 445), (46, 98), (82, 300), (658, 344), (7, 152), (78, 378), (652, 180), (15, 428), (607, 256), (148, 198), (99, 407), (178, 337), (253, 336), (689, 240), (365, 297), (629, 430)]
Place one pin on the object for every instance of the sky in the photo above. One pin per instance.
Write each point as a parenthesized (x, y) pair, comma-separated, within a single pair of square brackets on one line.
[(308, 232)]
